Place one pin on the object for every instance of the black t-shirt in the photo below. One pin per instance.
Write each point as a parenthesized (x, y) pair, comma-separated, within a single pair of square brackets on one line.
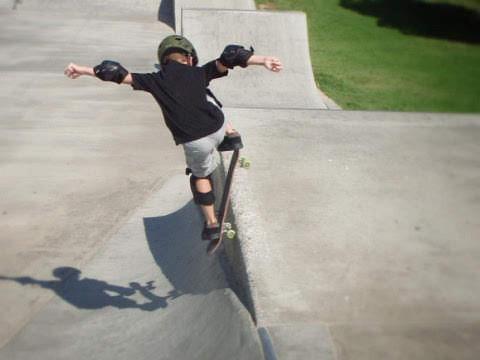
[(181, 92)]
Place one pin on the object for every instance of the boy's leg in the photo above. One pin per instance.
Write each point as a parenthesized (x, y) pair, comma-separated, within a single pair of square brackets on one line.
[(202, 189), (202, 158), (204, 186)]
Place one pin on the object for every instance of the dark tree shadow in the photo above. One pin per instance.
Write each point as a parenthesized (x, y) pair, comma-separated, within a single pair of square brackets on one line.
[(174, 241), (416, 17), (166, 13), (85, 293)]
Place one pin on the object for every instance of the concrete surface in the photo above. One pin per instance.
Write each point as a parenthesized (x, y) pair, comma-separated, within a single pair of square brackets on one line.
[(91, 180), (140, 10), (270, 33), (357, 231), (360, 232), (185, 309), (180, 5)]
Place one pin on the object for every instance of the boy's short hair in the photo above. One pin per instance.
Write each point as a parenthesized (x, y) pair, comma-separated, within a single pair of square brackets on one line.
[(169, 54), (173, 56)]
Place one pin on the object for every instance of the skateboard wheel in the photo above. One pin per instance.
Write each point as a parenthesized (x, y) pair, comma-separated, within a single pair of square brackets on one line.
[(227, 226), (244, 162), (231, 234)]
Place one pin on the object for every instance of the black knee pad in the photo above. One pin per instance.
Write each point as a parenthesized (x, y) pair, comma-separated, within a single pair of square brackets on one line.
[(202, 198), (205, 198)]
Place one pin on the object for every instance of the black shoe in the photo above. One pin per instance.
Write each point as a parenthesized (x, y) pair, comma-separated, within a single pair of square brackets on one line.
[(231, 142), (210, 233)]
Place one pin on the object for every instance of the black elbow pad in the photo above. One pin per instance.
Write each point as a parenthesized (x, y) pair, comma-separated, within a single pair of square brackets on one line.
[(235, 55), (110, 71)]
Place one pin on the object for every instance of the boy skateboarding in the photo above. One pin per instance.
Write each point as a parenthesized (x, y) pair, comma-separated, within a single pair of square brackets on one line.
[(191, 111)]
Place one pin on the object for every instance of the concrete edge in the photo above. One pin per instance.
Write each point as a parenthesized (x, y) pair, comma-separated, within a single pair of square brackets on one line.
[(231, 255), (235, 254), (268, 348), (234, 262), (331, 105)]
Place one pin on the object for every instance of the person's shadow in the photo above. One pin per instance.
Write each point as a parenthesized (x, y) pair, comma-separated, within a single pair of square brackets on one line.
[(85, 293), (174, 242)]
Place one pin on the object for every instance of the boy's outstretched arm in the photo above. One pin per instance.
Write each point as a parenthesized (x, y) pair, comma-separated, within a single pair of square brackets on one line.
[(237, 55), (106, 71), (270, 62)]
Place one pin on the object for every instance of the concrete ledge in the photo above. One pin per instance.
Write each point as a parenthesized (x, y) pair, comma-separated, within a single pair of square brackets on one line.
[(350, 219)]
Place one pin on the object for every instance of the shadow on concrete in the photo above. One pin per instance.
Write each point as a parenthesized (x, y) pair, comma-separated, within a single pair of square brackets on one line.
[(95, 294), (175, 248), (174, 241), (166, 13), (415, 17)]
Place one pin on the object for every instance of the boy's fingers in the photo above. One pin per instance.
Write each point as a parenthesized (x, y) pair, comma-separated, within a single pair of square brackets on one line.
[(71, 71), (276, 67), (274, 64), (68, 70)]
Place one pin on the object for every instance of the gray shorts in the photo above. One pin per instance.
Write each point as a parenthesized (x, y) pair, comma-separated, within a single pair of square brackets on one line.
[(201, 155)]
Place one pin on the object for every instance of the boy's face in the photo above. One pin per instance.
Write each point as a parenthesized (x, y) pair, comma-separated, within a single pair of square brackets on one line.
[(181, 58)]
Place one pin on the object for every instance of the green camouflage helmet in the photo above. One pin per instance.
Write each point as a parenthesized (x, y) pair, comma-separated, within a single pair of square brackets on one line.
[(176, 43)]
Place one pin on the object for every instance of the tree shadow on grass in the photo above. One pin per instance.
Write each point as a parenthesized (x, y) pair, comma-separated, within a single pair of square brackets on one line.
[(416, 17)]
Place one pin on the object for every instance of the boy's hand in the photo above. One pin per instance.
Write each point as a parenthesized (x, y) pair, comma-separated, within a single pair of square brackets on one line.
[(272, 64), (73, 71)]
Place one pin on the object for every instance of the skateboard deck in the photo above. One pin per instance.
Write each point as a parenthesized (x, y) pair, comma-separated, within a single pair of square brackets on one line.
[(225, 228)]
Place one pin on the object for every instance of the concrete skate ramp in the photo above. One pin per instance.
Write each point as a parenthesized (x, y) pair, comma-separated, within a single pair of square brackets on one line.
[(180, 5), (147, 294), (108, 9), (101, 256), (283, 34), (360, 232), (358, 229)]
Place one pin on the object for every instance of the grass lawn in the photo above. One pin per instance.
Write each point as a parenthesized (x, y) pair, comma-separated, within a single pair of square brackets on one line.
[(402, 55)]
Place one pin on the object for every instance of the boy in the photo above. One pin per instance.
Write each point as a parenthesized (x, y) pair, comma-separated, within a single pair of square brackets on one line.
[(191, 111)]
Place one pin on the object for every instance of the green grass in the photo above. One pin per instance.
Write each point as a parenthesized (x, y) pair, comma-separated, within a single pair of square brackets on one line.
[(395, 55)]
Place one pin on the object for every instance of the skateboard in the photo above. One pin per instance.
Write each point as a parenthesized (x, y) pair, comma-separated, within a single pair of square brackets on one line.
[(226, 228)]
